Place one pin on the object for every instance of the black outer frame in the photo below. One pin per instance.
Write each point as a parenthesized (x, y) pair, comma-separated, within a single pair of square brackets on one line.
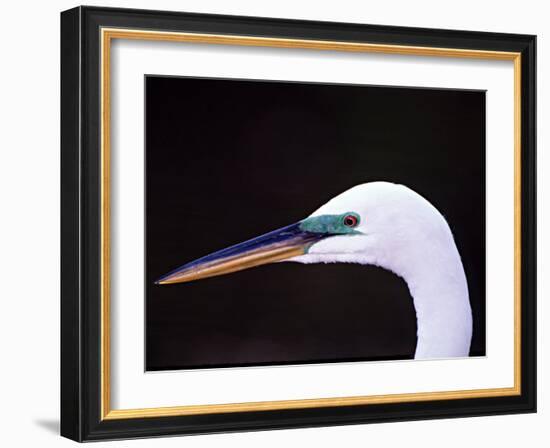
[(80, 223)]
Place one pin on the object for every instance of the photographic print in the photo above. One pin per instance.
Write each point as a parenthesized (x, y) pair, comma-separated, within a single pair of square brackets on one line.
[(293, 223), (272, 223)]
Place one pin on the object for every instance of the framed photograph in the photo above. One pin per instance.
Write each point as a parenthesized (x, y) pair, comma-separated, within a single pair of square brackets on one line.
[(275, 224)]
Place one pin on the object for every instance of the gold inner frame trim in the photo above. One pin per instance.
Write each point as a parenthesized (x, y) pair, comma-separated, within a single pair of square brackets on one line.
[(107, 35)]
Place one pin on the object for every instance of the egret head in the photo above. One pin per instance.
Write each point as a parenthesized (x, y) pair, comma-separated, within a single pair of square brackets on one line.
[(366, 224)]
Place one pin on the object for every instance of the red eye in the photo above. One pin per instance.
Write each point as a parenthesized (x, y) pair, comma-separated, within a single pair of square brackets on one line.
[(350, 220)]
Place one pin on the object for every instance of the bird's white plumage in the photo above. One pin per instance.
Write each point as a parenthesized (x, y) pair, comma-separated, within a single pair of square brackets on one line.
[(402, 232)]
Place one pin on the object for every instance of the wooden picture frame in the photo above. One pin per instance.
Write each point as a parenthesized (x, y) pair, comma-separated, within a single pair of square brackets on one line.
[(86, 37)]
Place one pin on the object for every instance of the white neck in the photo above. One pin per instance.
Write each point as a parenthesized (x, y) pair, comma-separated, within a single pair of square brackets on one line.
[(439, 289), (437, 284), (444, 316)]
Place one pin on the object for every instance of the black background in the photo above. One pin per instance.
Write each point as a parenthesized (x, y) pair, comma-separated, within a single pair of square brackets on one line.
[(228, 160)]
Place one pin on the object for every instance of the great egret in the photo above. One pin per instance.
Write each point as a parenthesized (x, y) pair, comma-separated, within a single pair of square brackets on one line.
[(377, 223)]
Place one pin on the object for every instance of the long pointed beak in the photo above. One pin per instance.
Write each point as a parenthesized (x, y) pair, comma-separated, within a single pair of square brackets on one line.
[(278, 245)]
